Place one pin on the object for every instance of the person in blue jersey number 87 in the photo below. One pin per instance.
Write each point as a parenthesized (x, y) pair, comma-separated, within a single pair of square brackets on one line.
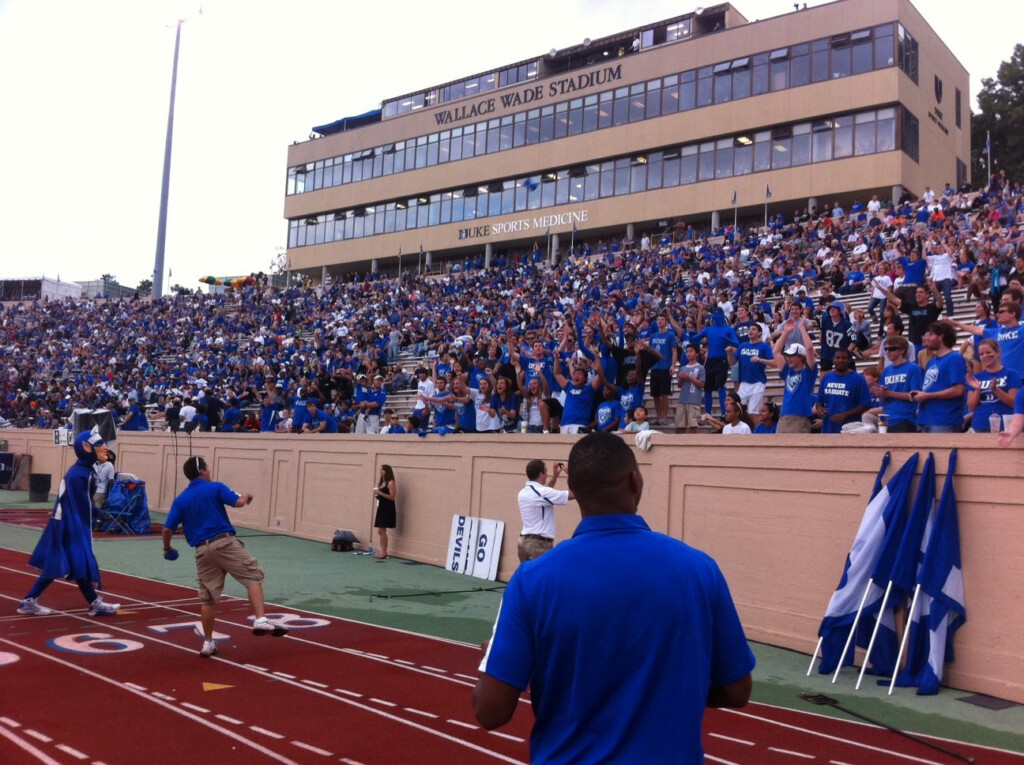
[(623, 635)]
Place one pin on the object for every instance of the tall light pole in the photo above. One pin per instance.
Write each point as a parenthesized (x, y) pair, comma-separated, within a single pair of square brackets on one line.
[(161, 227)]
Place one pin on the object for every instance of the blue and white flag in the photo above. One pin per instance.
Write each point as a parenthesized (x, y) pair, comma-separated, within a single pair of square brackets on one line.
[(885, 511), (907, 565), (941, 609)]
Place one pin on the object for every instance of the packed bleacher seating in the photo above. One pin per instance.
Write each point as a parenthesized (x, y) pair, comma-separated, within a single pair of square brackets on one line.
[(518, 342)]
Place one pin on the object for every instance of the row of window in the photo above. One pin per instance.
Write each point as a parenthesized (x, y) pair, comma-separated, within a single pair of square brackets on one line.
[(906, 52), (794, 66), (471, 86), (510, 75), (821, 140)]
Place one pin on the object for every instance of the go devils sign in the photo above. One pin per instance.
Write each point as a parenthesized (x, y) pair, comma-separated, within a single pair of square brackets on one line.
[(529, 95)]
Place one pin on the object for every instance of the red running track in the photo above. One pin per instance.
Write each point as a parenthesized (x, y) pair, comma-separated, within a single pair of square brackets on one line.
[(132, 688)]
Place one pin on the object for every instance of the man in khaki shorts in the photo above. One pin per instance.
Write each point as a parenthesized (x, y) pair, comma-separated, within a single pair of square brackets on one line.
[(537, 502), (200, 508)]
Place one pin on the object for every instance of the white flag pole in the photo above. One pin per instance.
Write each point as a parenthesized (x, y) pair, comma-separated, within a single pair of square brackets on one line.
[(874, 634), (853, 631), (988, 155), (906, 636), (814, 655)]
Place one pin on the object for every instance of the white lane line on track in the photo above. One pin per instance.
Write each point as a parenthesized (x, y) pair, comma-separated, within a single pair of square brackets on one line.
[(9, 722), (137, 687), (861, 724), (285, 675), (195, 708), (255, 667), (73, 752), (242, 601), (265, 732), (509, 736), (791, 753), (433, 669), (39, 754), (466, 677), (406, 662), (315, 684), (227, 719), (103, 679), (431, 715), (730, 738), (164, 696), (837, 762), (462, 724), (382, 702), (37, 736), (347, 761), (313, 749), (376, 655), (353, 694), (148, 637), (830, 737), (719, 759)]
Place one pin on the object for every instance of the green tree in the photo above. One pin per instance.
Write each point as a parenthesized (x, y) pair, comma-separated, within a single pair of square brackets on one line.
[(145, 287), (1001, 115), (108, 278)]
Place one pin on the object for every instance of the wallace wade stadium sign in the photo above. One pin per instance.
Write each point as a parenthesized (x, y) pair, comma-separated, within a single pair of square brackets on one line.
[(530, 95), (523, 225)]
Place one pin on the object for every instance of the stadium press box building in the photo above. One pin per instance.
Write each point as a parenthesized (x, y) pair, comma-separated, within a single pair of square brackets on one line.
[(624, 135)]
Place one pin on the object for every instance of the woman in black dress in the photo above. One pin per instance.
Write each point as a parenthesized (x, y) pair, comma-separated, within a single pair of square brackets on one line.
[(386, 492)]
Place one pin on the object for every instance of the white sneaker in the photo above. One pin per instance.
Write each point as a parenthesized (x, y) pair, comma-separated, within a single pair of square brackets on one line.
[(31, 606), (209, 649), (99, 608), (263, 625)]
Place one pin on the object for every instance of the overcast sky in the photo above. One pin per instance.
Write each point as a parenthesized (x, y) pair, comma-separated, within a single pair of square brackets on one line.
[(84, 94)]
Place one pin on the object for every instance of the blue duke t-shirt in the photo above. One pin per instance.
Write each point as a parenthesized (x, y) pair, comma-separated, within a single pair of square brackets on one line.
[(798, 398)]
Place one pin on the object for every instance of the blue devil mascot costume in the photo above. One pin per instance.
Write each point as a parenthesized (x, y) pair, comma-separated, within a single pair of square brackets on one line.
[(65, 549)]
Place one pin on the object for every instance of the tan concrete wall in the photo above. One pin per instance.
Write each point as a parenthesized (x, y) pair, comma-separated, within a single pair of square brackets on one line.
[(778, 514)]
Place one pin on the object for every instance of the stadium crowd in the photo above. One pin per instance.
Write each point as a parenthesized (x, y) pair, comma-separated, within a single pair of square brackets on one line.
[(579, 344)]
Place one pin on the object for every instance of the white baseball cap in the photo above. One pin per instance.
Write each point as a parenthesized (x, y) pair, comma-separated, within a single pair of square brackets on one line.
[(794, 349)]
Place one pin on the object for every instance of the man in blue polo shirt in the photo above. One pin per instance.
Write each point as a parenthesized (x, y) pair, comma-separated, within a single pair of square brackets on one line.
[(624, 636), (200, 508)]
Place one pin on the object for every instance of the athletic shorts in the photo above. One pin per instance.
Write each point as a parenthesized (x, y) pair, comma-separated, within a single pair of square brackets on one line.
[(792, 423), (223, 556), (687, 415), (661, 382), (554, 407), (751, 395), (716, 373)]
